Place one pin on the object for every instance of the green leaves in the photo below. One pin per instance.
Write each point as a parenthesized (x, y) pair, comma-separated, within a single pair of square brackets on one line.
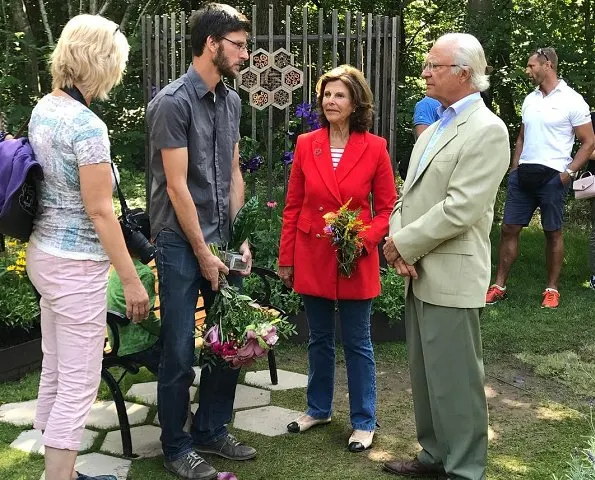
[(391, 301), (244, 224)]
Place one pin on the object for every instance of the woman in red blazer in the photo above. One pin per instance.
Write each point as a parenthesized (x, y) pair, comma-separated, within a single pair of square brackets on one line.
[(338, 162)]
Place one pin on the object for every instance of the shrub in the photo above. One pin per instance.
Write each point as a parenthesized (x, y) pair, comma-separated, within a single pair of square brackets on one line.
[(391, 300)]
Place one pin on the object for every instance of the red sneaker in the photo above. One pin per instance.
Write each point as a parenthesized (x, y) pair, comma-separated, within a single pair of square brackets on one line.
[(551, 298), (495, 294)]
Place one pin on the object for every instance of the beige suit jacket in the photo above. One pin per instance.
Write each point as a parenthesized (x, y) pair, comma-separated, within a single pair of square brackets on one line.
[(442, 220)]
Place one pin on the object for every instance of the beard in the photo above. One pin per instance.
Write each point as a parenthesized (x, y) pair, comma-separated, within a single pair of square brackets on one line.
[(223, 65)]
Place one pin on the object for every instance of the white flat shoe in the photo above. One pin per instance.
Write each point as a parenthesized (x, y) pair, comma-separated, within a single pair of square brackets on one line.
[(360, 440), (305, 422)]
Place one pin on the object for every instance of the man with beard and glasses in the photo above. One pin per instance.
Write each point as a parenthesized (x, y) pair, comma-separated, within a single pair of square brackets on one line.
[(542, 170), (196, 192)]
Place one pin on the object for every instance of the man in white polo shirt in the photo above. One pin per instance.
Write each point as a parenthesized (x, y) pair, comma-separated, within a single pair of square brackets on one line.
[(542, 169)]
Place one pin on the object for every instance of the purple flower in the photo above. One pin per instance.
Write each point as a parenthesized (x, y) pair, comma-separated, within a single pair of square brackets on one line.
[(302, 110), (252, 164), (328, 230), (287, 158), (212, 335), (312, 121), (226, 476)]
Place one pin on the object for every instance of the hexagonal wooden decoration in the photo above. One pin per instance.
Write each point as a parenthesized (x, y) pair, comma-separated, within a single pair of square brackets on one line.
[(282, 59), (260, 60), (270, 79), (248, 80), (293, 78), (260, 98), (281, 98)]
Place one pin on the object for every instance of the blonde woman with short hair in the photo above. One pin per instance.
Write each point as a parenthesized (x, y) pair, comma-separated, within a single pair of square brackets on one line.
[(76, 236)]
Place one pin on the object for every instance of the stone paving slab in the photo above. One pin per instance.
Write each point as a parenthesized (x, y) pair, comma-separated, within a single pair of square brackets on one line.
[(94, 464), (145, 441), (287, 380), (147, 392), (197, 371), (19, 413), (104, 415), (270, 421), (249, 397), (30, 441)]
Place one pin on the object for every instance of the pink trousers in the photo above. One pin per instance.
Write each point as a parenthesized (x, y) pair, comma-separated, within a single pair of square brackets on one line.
[(73, 318)]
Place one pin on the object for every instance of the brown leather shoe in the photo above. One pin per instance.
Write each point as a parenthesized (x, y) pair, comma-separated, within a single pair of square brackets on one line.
[(414, 468)]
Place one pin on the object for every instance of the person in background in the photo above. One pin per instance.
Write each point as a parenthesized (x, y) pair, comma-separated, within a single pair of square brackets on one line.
[(591, 168), (440, 242), (424, 114), (76, 235), (542, 170), (339, 162)]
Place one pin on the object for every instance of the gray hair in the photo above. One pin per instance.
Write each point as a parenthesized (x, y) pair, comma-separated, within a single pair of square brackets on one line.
[(469, 53)]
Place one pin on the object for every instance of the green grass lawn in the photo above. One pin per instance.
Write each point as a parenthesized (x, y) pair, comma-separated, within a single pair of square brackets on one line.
[(536, 419)]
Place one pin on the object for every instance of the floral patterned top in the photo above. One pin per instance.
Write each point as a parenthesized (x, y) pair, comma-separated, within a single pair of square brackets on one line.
[(66, 135)]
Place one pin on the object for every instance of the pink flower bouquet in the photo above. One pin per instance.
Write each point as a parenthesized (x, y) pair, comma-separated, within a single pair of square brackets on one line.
[(239, 331)]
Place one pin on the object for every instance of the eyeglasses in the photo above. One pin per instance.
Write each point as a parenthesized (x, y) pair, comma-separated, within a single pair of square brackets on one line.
[(435, 66), (540, 51), (241, 46)]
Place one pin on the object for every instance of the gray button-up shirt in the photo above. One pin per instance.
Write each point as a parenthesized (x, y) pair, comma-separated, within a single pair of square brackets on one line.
[(184, 114)]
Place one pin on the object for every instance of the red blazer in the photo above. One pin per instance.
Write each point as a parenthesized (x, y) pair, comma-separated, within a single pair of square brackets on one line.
[(315, 189)]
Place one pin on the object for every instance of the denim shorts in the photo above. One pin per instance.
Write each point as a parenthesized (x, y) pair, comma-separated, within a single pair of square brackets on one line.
[(521, 203)]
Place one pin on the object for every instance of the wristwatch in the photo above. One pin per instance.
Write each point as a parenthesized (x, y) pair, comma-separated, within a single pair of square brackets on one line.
[(572, 173)]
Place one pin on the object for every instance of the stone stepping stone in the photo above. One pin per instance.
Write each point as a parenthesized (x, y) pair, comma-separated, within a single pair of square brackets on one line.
[(94, 464), (249, 397), (270, 421), (197, 371), (30, 441), (287, 380), (104, 415), (147, 392), (145, 441), (19, 413)]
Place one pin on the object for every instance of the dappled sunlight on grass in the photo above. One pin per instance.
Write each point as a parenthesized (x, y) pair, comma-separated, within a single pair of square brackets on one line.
[(556, 412), (515, 404), (510, 463), (380, 455), (490, 392)]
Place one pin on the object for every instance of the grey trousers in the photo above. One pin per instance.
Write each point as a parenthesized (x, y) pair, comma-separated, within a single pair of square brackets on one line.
[(447, 380)]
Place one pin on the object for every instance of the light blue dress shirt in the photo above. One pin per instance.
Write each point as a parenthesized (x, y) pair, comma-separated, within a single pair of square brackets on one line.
[(446, 116)]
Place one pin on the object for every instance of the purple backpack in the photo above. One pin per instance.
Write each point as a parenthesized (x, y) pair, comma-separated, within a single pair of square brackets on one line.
[(19, 172)]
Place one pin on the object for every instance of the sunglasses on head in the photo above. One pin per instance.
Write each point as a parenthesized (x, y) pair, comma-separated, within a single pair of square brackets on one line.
[(541, 52)]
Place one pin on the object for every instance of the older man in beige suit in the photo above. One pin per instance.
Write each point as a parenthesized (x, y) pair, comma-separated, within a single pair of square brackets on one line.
[(439, 240)]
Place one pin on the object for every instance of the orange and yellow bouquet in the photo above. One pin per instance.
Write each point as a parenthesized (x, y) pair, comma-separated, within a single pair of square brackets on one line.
[(343, 228)]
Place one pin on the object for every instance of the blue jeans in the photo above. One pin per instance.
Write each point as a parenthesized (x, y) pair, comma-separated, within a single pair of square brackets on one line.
[(180, 281), (359, 357)]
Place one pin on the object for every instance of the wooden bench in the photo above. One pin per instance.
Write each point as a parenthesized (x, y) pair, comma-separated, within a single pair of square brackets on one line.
[(111, 358)]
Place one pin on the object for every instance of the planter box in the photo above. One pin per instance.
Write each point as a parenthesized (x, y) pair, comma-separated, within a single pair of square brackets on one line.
[(18, 360), (380, 329)]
